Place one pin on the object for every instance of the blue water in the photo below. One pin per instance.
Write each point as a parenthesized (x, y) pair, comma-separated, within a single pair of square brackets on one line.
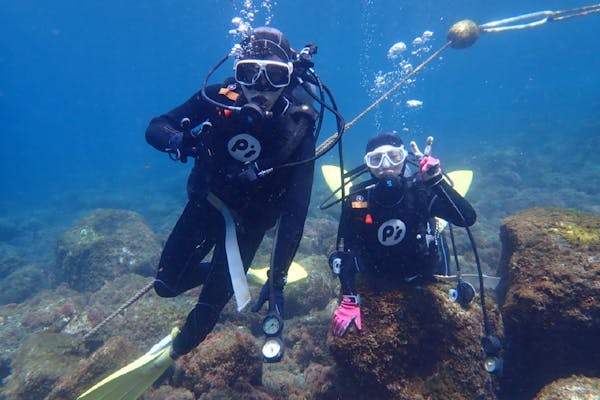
[(79, 82)]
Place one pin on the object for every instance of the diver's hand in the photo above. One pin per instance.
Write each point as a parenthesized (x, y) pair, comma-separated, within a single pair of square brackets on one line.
[(182, 145), (430, 169), (347, 312), (249, 173), (263, 297)]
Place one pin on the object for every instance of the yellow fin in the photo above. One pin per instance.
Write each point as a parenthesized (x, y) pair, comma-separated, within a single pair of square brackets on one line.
[(295, 274), (131, 381), (462, 182), (331, 173)]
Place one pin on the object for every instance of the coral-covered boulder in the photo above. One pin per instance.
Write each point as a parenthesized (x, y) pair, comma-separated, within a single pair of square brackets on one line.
[(415, 344), (226, 360), (572, 388), (550, 267), (103, 245)]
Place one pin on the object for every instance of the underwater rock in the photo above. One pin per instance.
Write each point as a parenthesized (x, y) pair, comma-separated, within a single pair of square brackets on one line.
[(550, 292), (414, 344), (167, 392), (143, 323), (48, 310), (319, 236), (315, 291), (305, 337), (318, 382), (226, 360), (22, 283), (103, 245), (115, 354), (41, 360), (572, 388), (9, 263)]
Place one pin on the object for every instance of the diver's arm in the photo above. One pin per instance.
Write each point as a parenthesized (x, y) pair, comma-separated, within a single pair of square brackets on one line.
[(346, 263), (165, 131), (348, 311), (448, 204)]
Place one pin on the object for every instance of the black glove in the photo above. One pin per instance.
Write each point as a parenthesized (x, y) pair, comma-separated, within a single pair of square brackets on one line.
[(183, 145), (265, 295), (342, 259)]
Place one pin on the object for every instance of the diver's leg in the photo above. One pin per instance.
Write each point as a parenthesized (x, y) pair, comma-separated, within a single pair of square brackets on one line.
[(192, 238), (215, 294)]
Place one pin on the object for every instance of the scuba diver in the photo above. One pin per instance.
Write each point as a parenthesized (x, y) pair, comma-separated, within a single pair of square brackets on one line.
[(253, 140), (388, 227), (239, 134)]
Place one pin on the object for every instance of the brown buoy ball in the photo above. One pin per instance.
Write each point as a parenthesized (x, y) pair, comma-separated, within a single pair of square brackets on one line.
[(463, 34)]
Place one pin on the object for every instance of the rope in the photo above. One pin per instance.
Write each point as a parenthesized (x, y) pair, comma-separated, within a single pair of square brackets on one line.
[(324, 147), (129, 302), (537, 19)]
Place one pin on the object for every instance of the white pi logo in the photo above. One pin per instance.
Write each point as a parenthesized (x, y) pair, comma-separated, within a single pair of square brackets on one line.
[(391, 232), (244, 147)]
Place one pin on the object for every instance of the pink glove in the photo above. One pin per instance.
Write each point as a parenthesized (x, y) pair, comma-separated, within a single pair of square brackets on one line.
[(429, 168), (347, 311)]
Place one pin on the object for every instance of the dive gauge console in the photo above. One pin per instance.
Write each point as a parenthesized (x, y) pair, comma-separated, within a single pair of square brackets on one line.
[(273, 347)]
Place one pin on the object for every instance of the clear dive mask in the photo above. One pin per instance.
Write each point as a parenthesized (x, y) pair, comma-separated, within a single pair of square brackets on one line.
[(277, 73), (386, 156)]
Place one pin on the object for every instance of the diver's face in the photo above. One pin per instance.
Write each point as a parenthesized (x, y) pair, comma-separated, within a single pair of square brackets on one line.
[(386, 161), (264, 97), (263, 80)]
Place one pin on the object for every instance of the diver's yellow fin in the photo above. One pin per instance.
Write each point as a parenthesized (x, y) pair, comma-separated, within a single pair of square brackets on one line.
[(462, 182), (131, 381), (331, 173), (462, 179), (295, 274)]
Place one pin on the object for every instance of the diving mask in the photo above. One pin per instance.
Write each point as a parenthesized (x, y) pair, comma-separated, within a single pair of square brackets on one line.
[(278, 74), (385, 156)]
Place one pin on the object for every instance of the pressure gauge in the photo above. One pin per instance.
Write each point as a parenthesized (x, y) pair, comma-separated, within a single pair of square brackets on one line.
[(272, 325), (272, 350)]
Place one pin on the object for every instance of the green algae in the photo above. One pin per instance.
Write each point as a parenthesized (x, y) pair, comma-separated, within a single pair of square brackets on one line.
[(576, 233)]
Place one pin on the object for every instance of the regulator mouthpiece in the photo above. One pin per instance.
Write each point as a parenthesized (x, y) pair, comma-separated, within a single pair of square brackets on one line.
[(463, 34)]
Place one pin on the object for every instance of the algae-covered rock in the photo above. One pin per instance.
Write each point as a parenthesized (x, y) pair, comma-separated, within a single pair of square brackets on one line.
[(225, 360), (414, 344), (22, 283), (103, 245), (115, 354), (315, 291), (41, 360), (167, 392), (550, 267), (572, 388)]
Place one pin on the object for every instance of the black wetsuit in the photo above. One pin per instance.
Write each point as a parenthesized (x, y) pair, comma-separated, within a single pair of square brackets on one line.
[(389, 226), (222, 150)]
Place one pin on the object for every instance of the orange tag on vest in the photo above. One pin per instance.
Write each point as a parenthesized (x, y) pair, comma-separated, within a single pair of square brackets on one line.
[(359, 204), (230, 94)]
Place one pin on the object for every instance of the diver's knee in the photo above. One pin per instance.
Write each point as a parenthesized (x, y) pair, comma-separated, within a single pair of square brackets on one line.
[(163, 290)]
